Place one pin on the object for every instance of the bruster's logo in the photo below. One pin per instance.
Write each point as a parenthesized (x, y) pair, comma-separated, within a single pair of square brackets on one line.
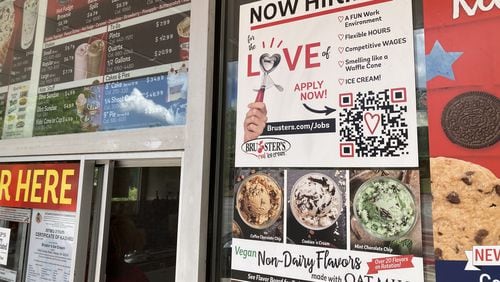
[(266, 148)]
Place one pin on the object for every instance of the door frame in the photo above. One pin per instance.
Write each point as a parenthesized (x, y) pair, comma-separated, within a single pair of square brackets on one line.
[(193, 204)]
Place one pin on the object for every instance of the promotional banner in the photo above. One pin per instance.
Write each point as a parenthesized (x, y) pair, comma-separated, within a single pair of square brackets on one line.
[(51, 186), (464, 129), (341, 99), (52, 243), (345, 98)]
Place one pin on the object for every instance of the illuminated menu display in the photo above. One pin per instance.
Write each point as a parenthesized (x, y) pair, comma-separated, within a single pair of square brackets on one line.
[(103, 65)]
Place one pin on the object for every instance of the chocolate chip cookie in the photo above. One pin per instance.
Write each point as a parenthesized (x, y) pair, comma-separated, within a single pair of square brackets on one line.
[(465, 208)]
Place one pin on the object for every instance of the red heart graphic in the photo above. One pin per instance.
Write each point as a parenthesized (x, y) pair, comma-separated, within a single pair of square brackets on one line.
[(341, 36), (372, 121), (341, 63), (341, 18)]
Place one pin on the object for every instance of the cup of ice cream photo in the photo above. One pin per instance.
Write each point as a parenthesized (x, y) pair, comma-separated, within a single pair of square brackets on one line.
[(316, 201), (259, 201), (385, 208)]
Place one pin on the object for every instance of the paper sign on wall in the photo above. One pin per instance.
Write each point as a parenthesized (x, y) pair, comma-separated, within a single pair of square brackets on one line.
[(4, 245), (51, 247)]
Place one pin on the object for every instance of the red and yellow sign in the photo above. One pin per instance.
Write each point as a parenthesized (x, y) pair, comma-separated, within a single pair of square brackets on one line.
[(52, 186)]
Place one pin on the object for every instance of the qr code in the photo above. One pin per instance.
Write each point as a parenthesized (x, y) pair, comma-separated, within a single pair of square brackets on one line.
[(374, 124)]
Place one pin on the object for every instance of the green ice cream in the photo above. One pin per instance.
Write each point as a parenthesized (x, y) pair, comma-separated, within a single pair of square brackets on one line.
[(385, 208)]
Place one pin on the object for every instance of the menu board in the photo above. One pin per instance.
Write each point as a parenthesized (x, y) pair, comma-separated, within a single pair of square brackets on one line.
[(114, 76), (464, 133), (51, 246), (345, 99), (90, 49), (86, 44)]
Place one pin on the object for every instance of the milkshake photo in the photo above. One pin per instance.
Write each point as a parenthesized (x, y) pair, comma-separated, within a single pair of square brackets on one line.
[(81, 59), (95, 53), (30, 16)]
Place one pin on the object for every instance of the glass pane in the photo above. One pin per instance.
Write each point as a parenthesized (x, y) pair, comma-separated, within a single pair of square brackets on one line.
[(94, 221), (143, 224), (12, 271), (227, 175)]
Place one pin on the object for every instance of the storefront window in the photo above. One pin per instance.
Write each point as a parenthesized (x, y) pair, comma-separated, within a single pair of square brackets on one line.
[(13, 230), (234, 224), (143, 224)]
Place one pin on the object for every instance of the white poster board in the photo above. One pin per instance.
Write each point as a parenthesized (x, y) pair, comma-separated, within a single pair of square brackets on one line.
[(338, 83), (51, 247), (4, 245)]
